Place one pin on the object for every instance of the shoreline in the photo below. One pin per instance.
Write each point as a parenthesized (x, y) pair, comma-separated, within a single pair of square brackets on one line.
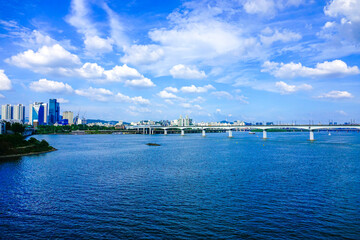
[(27, 154)]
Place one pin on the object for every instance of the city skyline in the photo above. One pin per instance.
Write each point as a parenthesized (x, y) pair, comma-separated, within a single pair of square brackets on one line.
[(260, 60)]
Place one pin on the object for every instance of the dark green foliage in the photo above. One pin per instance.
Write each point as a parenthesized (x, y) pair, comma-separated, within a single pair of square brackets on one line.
[(16, 144), (17, 128), (45, 129)]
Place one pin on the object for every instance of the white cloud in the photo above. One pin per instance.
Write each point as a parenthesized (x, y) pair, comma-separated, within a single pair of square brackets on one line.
[(185, 72), (96, 44), (44, 85), (190, 106), (341, 112), (269, 7), (165, 94), (198, 100), (139, 109), (194, 89), (2, 96), (125, 74), (140, 83), (171, 89), (91, 70), (136, 100), (242, 99), (285, 88), (142, 54), (46, 59), (122, 73), (349, 9), (99, 94), (62, 100), (269, 36), (336, 95), (222, 94), (79, 18), (336, 68), (5, 83)]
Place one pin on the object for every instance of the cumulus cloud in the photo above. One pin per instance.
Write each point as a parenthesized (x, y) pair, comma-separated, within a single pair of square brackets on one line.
[(194, 89), (99, 94), (46, 59), (165, 94), (349, 9), (336, 95), (121, 73), (140, 83), (5, 83), (96, 44), (336, 68), (270, 36), (125, 74), (197, 36), (136, 100), (44, 85), (185, 72), (285, 88)]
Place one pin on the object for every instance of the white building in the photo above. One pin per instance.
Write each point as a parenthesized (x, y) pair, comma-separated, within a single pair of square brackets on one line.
[(6, 112), (69, 116), (19, 113), (38, 111), (182, 122)]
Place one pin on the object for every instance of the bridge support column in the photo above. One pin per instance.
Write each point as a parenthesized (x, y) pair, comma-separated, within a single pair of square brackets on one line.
[(312, 135), (149, 131), (230, 133), (264, 134), (165, 131), (203, 133), (182, 132)]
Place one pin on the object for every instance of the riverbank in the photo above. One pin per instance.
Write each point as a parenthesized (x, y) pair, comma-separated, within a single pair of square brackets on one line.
[(26, 154)]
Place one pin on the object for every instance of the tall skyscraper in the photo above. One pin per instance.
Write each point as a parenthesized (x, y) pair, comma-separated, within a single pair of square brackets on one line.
[(69, 116), (19, 113), (6, 112), (54, 111), (38, 112)]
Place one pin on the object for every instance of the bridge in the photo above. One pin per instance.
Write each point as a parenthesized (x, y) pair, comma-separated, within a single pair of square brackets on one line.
[(150, 129)]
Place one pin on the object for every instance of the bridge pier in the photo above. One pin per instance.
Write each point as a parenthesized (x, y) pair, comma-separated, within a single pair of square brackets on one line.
[(203, 133), (165, 131), (264, 134), (230, 133), (312, 135), (182, 132)]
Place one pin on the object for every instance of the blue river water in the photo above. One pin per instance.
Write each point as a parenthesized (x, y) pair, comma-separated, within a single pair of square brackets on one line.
[(190, 187)]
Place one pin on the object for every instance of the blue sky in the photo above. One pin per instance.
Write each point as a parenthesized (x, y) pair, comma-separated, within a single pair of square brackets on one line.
[(259, 60)]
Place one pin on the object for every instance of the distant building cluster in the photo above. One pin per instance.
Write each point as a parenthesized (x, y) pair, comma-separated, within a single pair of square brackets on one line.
[(40, 113)]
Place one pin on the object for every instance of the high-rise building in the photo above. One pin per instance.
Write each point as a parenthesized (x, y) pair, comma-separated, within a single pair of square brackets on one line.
[(6, 112), (38, 113), (54, 111), (69, 116), (184, 121), (19, 113)]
